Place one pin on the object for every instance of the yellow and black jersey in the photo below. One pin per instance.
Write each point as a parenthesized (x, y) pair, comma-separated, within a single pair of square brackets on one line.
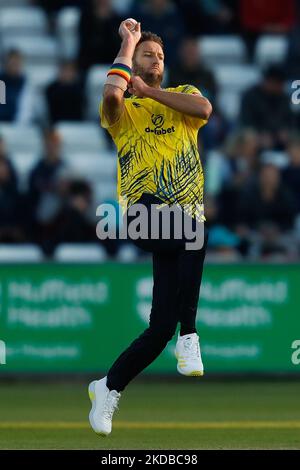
[(158, 153)]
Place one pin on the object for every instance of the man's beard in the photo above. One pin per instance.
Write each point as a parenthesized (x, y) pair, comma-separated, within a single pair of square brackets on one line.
[(152, 79)]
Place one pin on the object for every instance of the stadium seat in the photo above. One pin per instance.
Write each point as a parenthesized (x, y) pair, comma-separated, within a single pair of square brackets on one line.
[(214, 172), (229, 103), (236, 78), (270, 49), (233, 80), (122, 6), (92, 156), (81, 137), (67, 31), (21, 139), (274, 157), (104, 190), (41, 75), (222, 49), (14, 3), (100, 166), (23, 20), (80, 252), (43, 50), (23, 162), (94, 86), (25, 253)]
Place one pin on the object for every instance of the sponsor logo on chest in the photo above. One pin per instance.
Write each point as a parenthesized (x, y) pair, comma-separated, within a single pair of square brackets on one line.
[(158, 129)]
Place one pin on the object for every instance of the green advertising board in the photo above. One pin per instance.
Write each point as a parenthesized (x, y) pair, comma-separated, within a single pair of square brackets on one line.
[(80, 317)]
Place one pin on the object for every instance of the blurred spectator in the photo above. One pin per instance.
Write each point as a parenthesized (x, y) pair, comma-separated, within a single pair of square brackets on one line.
[(52, 6), (223, 244), (292, 62), (220, 15), (190, 69), (269, 244), (65, 96), (193, 16), (267, 17), (238, 170), (12, 171), (242, 156), (74, 223), (263, 16), (291, 173), (211, 212), (10, 205), (43, 179), (266, 108), (163, 18), (98, 30), (19, 105), (267, 200), (209, 16), (215, 131)]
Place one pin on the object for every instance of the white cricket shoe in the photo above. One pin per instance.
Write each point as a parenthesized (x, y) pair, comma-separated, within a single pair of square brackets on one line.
[(188, 355), (104, 403)]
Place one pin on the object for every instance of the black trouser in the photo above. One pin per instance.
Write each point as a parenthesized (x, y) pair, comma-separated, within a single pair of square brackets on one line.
[(177, 275)]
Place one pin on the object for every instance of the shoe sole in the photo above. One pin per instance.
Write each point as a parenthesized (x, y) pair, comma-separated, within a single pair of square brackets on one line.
[(194, 373), (92, 396)]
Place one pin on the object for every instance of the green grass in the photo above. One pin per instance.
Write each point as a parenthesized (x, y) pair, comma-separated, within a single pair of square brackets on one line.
[(193, 413)]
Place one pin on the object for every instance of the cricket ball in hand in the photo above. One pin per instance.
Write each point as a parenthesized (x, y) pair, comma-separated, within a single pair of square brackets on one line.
[(130, 23)]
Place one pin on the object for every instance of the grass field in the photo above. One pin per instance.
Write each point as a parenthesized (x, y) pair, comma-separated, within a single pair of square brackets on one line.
[(192, 413)]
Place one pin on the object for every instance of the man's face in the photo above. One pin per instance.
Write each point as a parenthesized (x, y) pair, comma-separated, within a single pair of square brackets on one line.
[(274, 86), (293, 150), (189, 53), (148, 63), (14, 64), (2, 148), (68, 73), (269, 177), (53, 146)]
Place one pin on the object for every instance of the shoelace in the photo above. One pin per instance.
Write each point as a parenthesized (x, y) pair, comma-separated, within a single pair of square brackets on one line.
[(111, 404), (191, 347)]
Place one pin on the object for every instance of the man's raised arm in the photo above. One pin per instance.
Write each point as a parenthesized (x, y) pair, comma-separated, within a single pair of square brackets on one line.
[(191, 104), (120, 73)]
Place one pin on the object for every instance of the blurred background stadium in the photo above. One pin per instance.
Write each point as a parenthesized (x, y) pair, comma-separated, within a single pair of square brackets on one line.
[(63, 291)]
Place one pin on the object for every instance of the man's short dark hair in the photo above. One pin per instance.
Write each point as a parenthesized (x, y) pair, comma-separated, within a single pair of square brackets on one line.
[(13, 53), (148, 36)]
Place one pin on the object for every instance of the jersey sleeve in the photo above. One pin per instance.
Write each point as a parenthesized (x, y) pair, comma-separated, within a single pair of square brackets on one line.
[(193, 121), (122, 122)]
